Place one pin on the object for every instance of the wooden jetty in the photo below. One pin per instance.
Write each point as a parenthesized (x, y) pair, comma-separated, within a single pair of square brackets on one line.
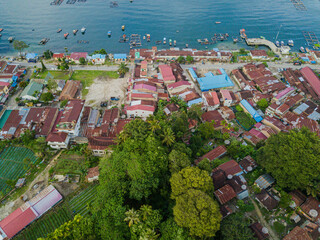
[(311, 38), (135, 40), (123, 39), (298, 4)]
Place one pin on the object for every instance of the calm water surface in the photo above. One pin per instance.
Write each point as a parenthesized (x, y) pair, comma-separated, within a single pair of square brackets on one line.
[(161, 18)]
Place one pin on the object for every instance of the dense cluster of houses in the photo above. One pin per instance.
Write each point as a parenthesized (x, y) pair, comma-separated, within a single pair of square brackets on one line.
[(95, 58)]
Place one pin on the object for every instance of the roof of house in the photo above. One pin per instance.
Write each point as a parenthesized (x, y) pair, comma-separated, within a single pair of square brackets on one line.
[(312, 79), (145, 86), (166, 73), (225, 194), (311, 207), (230, 168), (297, 197), (211, 81), (284, 92), (259, 231), (251, 110), (258, 53), (70, 90), (248, 164), (141, 107), (58, 55), (225, 94), (119, 56), (267, 200), (215, 153), (265, 181), (57, 137), (93, 172), (212, 115), (10, 68), (172, 107), (219, 178), (31, 55), (297, 233), (31, 89), (78, 55), (72, 111), (178, 84)]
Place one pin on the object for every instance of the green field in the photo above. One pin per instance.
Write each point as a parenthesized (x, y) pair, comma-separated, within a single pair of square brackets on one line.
[(86, 77), (12, 166), (56, 74), (245, 120), (59, 215), (70, 164)]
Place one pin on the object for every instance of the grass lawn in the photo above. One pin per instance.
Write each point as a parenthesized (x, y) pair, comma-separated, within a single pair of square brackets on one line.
[(70, 164), (86, 77), (245, 120), (55, 73)]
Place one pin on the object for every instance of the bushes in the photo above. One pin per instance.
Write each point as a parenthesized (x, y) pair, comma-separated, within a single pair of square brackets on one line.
[(245, 120)]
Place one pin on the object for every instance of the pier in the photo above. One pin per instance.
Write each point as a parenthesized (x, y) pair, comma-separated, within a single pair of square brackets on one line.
[(311, 39), (263, 42)]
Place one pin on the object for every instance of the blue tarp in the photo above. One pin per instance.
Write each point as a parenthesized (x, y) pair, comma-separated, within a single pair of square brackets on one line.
[(14, 84), (211, 81), (120, 56), (14, 78), (251, 110), (31, 56)]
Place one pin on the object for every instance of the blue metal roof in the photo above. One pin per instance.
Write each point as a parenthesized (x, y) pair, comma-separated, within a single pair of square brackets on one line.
[(264, 181), (119, 56), (193, 73), (251, 110), (211, 81), (31, 55), (98, 56), (194, 101)]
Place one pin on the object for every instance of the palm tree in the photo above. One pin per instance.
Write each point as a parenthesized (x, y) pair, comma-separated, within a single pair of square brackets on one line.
[(145, 210), (168, 136), (149, 234), (123, 69), (132, 217), (154, 124)]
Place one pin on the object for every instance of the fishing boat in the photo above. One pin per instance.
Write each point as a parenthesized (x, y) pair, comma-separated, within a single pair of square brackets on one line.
[(144, 37), (59, 30), (109, 33), (291, 43), (164, 40), (262, 37), (44, 41), (158, 42), (170, 42), (83, 30), (123, 27), (235, 39), (177, 31), (1, 29), (148, 37), (10, 39), (174, 42), (282, 43), (277, 43), (243, 33), (218, 22), (66, 35), (187, 45), (131, 1), (302, 50), (75, 31), (307, 50), (0, 35)]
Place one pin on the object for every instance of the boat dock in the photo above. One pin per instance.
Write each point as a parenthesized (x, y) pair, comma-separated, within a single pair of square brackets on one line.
[(311, 38), (56, 2), (135, 40), (263, 42), (298, 4)]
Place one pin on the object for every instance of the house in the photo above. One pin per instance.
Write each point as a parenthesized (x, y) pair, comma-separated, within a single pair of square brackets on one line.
[(32, 91), (176, 87), (239, 185), (248, 164), (311, 209), (298, 198), (231, 168), (93, 174), (57, 56), (75, 56), (98, 58), (226, 97), (211, 100), (69, 119), (258, 54), (297, 233), (61, 84), (312, 79), (283, 94), (58, 140), (120, 57), (4, 87), (211, 81), (225, 211), (167, 74), (142, 111), (29, 212), (264, 181), (266, 200), (213, 116), (70, 90), (249, 109), (219, 178), (144, 69), (213, 154), (259, 231), (227, 113), (32, 57), (225, 194), (169, 109)]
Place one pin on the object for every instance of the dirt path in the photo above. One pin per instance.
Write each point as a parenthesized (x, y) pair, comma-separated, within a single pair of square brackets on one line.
[(263, 221), (41, 179)]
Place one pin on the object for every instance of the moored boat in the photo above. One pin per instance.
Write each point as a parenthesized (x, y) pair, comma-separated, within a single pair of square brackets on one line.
[(10, 39), (307, 50), (277, 43), (1, 29), (148, 37), (170, 42), (66, 35), (235, 40), (123, 27), (187, 45), (59, 30), (109, 33), (290, 43), (75, 31), (302, 50), (174, 42), (218, 22), (282, 43), (44, 41), (83, 30), (164, 40), (243, 33)]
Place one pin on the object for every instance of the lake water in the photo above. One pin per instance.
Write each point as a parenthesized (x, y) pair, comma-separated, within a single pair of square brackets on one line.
[(161, 18)]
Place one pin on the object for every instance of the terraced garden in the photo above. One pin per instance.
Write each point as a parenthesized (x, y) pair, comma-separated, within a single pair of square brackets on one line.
[(59, 215), (12, 166)]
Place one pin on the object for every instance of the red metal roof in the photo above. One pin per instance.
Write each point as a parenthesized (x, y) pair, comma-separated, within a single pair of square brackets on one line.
[(225, 194), (72, 111), (57, 137), (78, 55), (178, 84), (230, 168), (312, 79), (166, 73), (141, 107), (58, 55)]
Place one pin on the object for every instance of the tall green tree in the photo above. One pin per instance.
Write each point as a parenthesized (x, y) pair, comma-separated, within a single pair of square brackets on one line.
[(198, 212), (168, 136), (123, 69), (178, 160), (189, 59), (293, 159), (19, 46), (263, 104), (132, 217), (236, 226), (169, 228)]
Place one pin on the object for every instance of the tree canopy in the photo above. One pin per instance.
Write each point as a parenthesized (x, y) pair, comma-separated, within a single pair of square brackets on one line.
[(236, 226), (293, 159), (19, 45)]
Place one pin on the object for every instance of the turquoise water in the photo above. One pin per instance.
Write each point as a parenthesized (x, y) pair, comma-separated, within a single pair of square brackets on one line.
[(162, 18)]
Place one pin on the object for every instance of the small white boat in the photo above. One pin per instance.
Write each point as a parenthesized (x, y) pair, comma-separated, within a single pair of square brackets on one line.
[(83, 30)]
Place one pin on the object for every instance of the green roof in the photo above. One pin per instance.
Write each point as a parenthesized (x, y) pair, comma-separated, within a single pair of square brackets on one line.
[(31, 88)]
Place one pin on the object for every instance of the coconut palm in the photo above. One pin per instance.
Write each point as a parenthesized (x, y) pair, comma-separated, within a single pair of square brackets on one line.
[(123, 69), (145, 211), (154, 124), (132, 217), (149, 234), (168, 136)]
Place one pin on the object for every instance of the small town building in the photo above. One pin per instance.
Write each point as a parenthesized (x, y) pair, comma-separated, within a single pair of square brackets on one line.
[(226, 97), (266, 200), (93, 174), (249, 109), (259, 231), (75, 56), (32, 91), (98, 58), (166, 74), (70, 90), (258, 54), (231, 168), (142, 111), (120, 57), (297, 233), (211, 81), (57, 56), (225, 194), (248, 164), (213, 154), (58, 140), (264, 181)]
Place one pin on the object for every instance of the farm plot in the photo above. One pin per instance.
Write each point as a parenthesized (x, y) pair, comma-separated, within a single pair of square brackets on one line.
[(79, 203), (12, 165), (46, 224)]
